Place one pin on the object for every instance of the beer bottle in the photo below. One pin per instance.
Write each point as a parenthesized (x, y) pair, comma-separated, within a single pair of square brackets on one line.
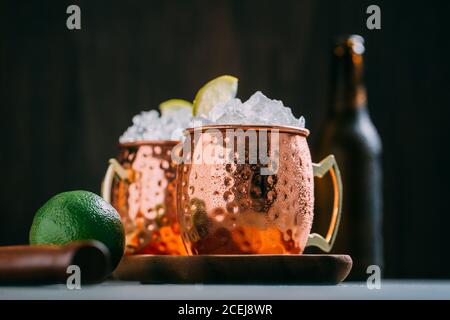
[(350, 135)]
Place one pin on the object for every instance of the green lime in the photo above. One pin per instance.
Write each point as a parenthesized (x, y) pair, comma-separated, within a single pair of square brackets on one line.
[(79, 215)]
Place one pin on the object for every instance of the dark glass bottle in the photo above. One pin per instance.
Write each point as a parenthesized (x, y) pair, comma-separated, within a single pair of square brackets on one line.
[(350, 135)]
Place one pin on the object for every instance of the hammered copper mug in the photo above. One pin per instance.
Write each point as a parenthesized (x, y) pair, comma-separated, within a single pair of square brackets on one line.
[(232, 207), (141, 185)]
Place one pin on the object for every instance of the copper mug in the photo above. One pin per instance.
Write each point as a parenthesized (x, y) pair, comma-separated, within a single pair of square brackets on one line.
[(141, 185), (233, 207)]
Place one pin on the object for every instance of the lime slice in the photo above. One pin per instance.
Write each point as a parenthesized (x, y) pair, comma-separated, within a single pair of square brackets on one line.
[(174, 105), (218, 90)]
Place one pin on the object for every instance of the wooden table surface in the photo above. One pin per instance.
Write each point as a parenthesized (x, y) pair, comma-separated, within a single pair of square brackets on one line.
[(390, 289)]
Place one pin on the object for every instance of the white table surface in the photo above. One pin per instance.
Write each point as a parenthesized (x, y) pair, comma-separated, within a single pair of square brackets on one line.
[(390, 289)]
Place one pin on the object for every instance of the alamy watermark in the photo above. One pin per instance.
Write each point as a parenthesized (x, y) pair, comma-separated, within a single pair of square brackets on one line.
[(374, 279), (73, 21), (373, 22), (73, 281)]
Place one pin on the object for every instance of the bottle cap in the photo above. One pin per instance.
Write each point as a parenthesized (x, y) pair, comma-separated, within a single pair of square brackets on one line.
[(353, 44)]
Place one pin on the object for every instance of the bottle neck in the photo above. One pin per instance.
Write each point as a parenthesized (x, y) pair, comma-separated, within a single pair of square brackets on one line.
[(348, 93)]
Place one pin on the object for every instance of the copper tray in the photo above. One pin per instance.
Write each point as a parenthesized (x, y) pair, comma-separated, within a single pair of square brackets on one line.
[(236, 269)]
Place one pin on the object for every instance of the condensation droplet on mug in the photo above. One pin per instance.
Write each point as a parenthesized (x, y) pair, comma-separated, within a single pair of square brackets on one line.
[(151, 214), (246, 173), (218, 214), (229, 167), (246, 246), (187, 222), (273, 215), (233, 208), (157, 150), (245, 205), (165, 165), (169, 174), (228, 181), (228, 196), (256, 192), (271, 195), (164, 220)]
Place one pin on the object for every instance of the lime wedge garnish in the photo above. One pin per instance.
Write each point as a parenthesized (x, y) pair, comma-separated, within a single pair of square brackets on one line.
[(218, 90), (174, 105)]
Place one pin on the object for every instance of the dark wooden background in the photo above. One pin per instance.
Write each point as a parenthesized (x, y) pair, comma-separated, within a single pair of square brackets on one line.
[(66, 96)]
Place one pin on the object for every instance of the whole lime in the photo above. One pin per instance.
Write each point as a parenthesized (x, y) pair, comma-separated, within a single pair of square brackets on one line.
[(79, 215)]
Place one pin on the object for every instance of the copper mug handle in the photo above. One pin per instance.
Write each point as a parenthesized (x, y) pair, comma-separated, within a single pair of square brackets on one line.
[(114, 168), (319, 170)]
